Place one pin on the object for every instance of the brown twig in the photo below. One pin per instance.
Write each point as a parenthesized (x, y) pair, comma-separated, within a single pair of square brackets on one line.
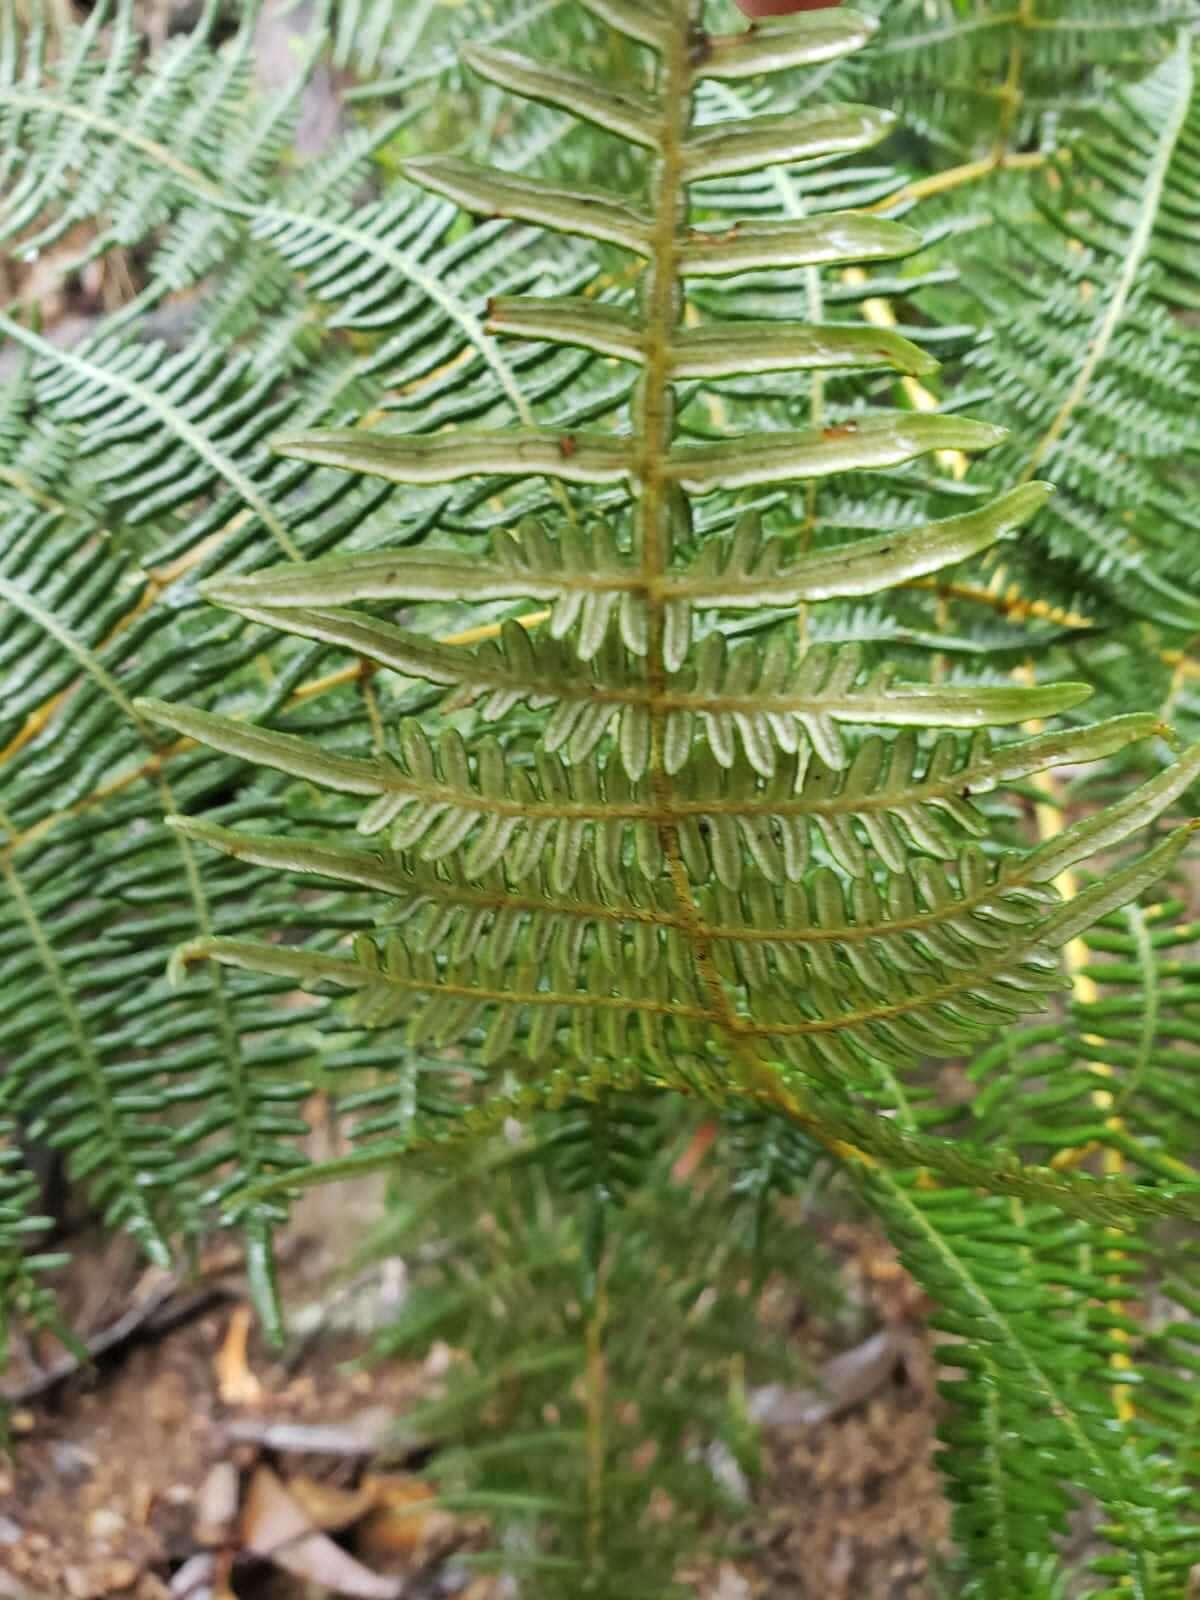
[(157, 1314)]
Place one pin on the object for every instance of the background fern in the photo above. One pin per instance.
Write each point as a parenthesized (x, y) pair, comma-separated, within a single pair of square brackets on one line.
[(130, 470), (134, 470)]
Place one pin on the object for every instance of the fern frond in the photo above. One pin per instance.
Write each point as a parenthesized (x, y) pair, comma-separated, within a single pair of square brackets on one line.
[(145, 150), (131, 468), (1010, 1288), (1089, 361), (970, 76), (23, 1293), (628, 798)]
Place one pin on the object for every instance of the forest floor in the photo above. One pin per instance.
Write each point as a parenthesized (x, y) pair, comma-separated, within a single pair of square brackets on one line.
[(192, 1464)]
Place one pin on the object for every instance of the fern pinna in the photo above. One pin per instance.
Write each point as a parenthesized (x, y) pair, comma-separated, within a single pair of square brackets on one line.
[(642, 854)]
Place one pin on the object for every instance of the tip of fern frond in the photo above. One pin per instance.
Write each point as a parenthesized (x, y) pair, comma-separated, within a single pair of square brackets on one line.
[(180, 960)]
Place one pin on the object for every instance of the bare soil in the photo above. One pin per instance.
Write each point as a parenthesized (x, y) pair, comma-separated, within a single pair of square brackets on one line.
[(116, 1477)]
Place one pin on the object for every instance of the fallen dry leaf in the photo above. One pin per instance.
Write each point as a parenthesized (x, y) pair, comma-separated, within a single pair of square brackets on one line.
[(730, 1584), (328, 1506), (846, 1381), (361, 1436), (406, 1518), (276, 1529), (698, 1147), (195, 1577), (236, 1383), (217, 1505)]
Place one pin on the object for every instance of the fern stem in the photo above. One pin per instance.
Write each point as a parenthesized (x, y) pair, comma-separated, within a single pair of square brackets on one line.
[(958, 177), (596, 1408), (1010, 92), (654, 420), (1009, 603)]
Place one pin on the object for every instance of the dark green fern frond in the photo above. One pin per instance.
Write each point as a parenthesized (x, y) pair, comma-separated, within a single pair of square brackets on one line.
[(1033, 1424), (575, 1402), (1089, 359), (23, 1294), (99, 137), (970, 75), (130, 468)]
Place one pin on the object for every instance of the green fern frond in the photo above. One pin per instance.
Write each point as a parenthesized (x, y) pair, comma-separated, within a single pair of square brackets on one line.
[(130, 468), (1089, 361), (672, 708), (1033, 1422), (145, 150), (23, 1293), (969, 74)]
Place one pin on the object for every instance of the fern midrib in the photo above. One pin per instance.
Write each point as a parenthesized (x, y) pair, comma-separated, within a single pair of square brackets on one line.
[(161, 154), (352, 974), (403, 262), (373, 872), (655, 417)]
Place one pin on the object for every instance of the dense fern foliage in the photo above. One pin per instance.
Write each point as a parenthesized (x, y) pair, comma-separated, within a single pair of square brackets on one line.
[(133, 464), (598, 637)]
